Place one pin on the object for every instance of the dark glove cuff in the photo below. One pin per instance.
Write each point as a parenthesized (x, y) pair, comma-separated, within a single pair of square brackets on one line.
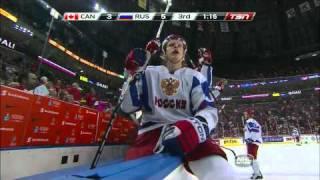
[(204, 123)]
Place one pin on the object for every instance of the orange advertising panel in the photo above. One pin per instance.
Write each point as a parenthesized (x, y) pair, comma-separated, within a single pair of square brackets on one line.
[(128, 130), (88, 126), (103, 122), (44, 125), (114, 136), (32, 120), (70, 124), (15, 114)]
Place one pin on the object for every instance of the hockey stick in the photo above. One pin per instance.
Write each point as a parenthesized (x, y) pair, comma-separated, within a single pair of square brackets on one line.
[(242, 160), (124, 88), (113, 115), (162, 22)]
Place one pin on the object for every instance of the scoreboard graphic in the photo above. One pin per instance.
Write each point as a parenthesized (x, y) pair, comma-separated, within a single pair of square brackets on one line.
[(174, 16)]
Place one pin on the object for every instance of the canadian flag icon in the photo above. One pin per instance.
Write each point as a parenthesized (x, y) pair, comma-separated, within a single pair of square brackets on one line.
[(71, 16)]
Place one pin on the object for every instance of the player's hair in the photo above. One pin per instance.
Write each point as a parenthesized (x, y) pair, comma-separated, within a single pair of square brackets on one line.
[(174, 37)]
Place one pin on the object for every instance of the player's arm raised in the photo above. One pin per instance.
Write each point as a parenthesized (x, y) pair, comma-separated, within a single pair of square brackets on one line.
[(134, 65)]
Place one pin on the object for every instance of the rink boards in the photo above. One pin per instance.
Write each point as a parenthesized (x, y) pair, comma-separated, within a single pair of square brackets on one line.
[(304, 139), (287, 161), (40, 134)]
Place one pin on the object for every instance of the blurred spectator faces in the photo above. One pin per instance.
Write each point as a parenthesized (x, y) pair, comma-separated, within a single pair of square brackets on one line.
[(32, 81)]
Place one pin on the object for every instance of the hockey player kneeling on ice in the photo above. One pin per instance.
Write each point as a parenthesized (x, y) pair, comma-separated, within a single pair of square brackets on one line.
[(253, 138), (178, 113)]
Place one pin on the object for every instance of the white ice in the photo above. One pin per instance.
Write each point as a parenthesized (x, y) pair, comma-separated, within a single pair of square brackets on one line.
[(283, 161)]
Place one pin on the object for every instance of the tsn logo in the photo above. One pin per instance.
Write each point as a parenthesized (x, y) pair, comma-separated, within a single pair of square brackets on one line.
[(239, 16)]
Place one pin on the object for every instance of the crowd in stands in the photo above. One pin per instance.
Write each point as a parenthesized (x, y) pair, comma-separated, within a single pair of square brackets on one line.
[(276, 117), (274, 71), (73, 93)]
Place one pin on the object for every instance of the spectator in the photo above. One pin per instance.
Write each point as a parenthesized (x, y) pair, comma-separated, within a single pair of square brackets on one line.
[(91, 97), (58, 87), (11, 74), (25, 82), (52, 90), (42, 89), (65, 96), (31, 81), (21, 84), (74, 90)]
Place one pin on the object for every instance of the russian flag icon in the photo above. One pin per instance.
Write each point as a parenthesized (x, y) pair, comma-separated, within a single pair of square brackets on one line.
[(125, 17)]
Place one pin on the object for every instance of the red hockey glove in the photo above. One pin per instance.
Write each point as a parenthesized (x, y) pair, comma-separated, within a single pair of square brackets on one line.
[(135, 61), (153, 46), (220, 85), (204, 56), (183, 136)]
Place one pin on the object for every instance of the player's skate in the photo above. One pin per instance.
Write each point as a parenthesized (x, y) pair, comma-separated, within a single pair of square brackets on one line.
[(257, 176)]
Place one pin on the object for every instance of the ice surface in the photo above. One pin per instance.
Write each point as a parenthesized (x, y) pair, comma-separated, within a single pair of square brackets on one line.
[(283, 161)]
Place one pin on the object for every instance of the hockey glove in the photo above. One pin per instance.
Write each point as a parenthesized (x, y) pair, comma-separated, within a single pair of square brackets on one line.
[(249, 141), (220, 85), (204, 56), (153, 46), (135, 61), (183, 136)]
